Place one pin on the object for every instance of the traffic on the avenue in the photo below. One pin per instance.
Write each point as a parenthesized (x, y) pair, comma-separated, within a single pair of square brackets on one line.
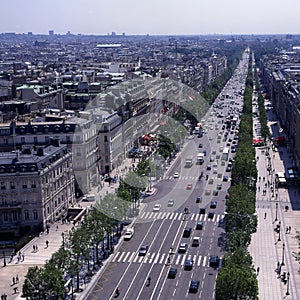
[(174, 247)]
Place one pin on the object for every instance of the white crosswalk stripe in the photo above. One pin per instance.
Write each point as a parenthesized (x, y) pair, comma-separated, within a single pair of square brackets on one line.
[(158, 258)]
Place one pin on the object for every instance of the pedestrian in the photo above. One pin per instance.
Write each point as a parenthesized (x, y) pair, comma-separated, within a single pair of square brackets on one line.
[(259, 188), (257, 270), (14, 280), (36, 248), (23, 256), (287, 230), (47, 243), (16, 290), (17, 278), (265, 215), (56, 227), (290, 228), (33, 248)]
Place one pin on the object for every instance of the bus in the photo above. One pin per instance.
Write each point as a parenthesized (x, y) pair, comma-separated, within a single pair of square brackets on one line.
[(225, 153)]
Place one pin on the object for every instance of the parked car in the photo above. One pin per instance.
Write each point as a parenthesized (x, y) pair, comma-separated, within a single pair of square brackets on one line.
[(213, 204), (187, 231)]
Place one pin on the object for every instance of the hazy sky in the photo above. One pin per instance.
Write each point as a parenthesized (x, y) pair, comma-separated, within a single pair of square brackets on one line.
[(151, 16)]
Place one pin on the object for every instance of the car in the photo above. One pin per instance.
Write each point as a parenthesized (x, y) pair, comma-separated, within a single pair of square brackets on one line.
[(143, 250), (212, 158), (182, 248), (202, 211), (187, 232), (128, 234), (219, 186), (188, 264), (204, 152), (170, 202), (196, 241), (208, 168), (199, 225), (199, 199), (225, 178), (200, 145), (215, 192), (157, 207), (214, 261), (176, 175), (213, 204), (172, 273), (189, 186), (228, 169), (194, 286), (210, 215)]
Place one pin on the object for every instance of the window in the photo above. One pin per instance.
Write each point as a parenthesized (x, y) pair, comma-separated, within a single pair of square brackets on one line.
[(22, 140), (26, 215), (15, 215), (35, 215), (12, 185), (35, 140), (24, 185), (2, 185), (5, 216), (105, 138), (33, 185), (46, 139)]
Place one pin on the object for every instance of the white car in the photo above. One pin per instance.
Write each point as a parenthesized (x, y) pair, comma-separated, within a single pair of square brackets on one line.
[(157, 207), (128, 234), (170, 202), (176, 175)]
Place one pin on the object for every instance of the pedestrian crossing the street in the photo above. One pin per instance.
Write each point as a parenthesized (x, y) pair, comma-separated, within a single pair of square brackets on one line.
[(159, 258), (180, 216)]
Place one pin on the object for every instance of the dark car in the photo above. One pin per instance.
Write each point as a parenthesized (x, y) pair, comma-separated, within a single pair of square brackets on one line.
[(187, 232), (213, 204), (228, 169), (188, 264), (214, 261), (200, 145), (208, 168), (194, 286), (199, 199), (143, 250), (210, 215), (199, 225), (225, 178), (172, 273), (202, 211)]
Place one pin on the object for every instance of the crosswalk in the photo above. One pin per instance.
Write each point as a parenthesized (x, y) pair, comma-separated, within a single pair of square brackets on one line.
[(180, 216), (159, 258), (191, 178)]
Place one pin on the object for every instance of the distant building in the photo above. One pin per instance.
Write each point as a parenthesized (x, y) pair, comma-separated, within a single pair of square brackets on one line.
[(51, 33)]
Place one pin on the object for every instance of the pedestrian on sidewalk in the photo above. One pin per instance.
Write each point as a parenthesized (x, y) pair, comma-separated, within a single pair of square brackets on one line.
[(13, 281), (17, 278), (265, 215), (47, 243), (33, 248), (23, 256), (257, 270), (287, 230), (16, 290), (36, 248), (290, 228)]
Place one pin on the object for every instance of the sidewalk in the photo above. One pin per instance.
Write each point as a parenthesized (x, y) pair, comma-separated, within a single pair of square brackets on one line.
[(269, 248)]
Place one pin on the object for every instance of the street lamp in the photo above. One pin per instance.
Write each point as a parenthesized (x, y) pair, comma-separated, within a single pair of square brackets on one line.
[(276, 219), (288, 284), (283, 246), (279, 239)]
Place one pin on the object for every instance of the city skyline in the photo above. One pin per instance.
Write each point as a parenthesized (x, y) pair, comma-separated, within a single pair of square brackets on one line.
[(170, 17)]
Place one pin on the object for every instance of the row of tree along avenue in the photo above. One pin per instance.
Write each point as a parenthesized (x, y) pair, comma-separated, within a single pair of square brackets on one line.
[(237, 277)]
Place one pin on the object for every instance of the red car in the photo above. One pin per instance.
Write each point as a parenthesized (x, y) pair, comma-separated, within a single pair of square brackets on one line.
[(189, 186)]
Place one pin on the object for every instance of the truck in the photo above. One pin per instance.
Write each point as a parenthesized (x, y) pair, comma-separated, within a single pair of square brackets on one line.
[(189, 162), (200, 158)]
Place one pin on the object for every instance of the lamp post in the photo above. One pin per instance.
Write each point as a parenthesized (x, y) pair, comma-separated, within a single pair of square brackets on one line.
[(4, 259), (288, 284), (283, 246), (276, 219), (279, 239)]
